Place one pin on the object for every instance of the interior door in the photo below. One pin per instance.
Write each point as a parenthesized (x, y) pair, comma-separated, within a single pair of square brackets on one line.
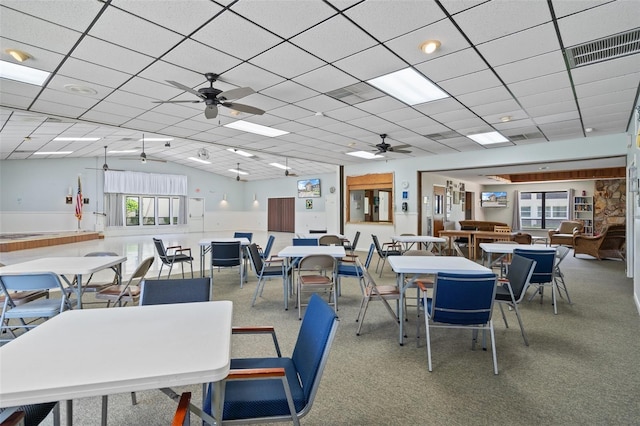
[(196, 214), (281, 214)]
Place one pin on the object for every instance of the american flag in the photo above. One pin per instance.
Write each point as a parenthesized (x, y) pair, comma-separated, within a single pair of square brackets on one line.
[(79, 201)]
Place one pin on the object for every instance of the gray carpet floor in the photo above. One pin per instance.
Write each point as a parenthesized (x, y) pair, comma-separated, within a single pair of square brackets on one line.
[(582, 366)]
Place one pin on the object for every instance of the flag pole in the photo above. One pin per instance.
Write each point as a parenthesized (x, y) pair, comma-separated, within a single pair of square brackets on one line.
[(79, 204)]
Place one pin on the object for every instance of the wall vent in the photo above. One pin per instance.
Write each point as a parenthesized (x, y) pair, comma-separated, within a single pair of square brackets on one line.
[(611, 47)]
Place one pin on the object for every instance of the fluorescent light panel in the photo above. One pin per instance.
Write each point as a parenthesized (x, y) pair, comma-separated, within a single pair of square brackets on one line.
[(280, 166), (199, 160), (240, 172), (75, 139), (240, 152), (52, 152), (364, 154), (488, 138), (408, 86), (258, 129), (23, 74)]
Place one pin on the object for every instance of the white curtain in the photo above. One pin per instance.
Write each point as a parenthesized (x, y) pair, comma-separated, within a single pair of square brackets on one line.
[(571, 192), (144, 183), (113, 209), (515, 220)]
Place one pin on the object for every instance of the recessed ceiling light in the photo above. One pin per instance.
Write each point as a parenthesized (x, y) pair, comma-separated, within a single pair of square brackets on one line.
[(258, 129), (23, 74), (352, 144), (52, 152), (238, 171), (199, 160), (240, 152), (488, 138), (75, 139), (18, 55), (505, 119), (364, 154), (280, 166), (430, 46), (81, 90), (408, 86), (588, 129)]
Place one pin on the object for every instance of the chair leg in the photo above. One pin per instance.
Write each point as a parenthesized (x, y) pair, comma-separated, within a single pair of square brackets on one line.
[(504, 317), (524, 334), (105, 402), (134, 401), (493, 348), (427, 336), (160, 273), (364, 312), (255, 293)]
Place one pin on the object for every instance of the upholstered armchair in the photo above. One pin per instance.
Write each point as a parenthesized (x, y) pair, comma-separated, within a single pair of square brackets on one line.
[(564, 234), (609, 244)]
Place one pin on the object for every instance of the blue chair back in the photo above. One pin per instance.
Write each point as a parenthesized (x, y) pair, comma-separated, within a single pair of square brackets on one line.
[(367, 260), (267, 248), (305, 242), (186, 290), (463, 298), (247, 235), (311, 350), (225, 253), (545, 263)]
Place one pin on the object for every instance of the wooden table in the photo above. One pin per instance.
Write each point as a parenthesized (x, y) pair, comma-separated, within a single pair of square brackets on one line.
[(170, 344), (74, 265), (474, 238), (430, 265), (409, 240)]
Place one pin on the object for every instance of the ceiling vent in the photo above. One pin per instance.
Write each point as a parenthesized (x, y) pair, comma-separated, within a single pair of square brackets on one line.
[(525, 137), (355, 93), (443, 135), (611, 47)]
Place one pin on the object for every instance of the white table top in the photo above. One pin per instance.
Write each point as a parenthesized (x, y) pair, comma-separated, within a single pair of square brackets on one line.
[(117, 350), (207, 241), (418, 239), (75, 265), (509, 248), (434, 264), (301, 251)]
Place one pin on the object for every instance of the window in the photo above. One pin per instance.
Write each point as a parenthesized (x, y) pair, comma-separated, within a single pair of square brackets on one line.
[(163, 210), (370, 198), (554, 204)]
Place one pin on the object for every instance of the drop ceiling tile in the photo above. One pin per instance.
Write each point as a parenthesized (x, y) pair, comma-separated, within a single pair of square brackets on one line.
[(290, 112), (603, 21), (126, 30), (200, 58), (496, 108), (532, 86), (408, 46), (481, 97), (516, 114), (457, 6), (484, 79), (62, 97), (325, 79), (439, 106), (496, 19), (346, 113), (454, 65), (283, 17), (175, 15), (604, 109), (61, 83), (556, 118), (404, 114), (70, 14), (48, 107), (546, 98), (104, 117), (625, 82), (157, 91), (258, 79), (161, 71), (534, 67), (518, 46), (36, 32), (88, 72), (147, 126), (382, 104), (416, 123), (129, 99), (156, 117), (564, 8), (555, 108), (607, 69), (109, 55), (333, 39), (299, 61), (320, 103), (13, 87), (222, 34), (374, 17), (516, 126), (370, 63)]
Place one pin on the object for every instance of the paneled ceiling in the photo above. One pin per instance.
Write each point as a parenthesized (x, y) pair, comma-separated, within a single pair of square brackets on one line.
[(501, 63)]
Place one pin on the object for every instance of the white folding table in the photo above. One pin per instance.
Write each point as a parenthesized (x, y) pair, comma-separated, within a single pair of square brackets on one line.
[(430, 265), (293, 252), (74, 265), (169, 343), (409, 240), (503, 249)]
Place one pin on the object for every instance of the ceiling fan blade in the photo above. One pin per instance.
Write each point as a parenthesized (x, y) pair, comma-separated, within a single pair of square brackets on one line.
[(396, 147), (400, 151), (186, 88), (157, 160), (238, 93), (176, 102), (211, 111), (244, 108)]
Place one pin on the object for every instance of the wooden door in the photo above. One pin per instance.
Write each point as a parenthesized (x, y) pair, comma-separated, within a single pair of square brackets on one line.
[(281, 214)]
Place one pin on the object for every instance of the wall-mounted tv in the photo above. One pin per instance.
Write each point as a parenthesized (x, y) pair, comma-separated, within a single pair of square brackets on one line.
[(493, 199), (309, 188)]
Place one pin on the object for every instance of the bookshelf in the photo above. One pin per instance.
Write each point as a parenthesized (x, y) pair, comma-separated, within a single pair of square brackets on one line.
[(583, 210)]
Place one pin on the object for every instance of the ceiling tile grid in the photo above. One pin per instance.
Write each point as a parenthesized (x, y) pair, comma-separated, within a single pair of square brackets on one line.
[(501, 62)]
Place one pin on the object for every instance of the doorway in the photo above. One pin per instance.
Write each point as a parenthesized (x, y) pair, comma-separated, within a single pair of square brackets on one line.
[(281, 214), (196, 214)]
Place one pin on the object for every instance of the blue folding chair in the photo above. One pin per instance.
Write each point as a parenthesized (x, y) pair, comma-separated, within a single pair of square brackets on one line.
[(543, 273), (462, 301), (347, 267), (285, 388)]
